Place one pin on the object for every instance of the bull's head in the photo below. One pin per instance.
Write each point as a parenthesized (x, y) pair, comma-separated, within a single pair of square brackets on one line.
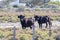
[(21, 16), (36, 17)]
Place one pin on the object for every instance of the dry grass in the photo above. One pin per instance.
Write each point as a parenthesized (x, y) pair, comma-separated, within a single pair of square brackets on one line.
[(29, 13), (26, 34), (11, 16)]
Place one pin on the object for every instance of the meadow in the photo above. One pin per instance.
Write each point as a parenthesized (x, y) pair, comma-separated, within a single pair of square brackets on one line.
[(12, 16), (26, 34)]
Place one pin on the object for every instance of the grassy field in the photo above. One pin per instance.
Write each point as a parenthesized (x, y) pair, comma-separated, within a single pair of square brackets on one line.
[(11, 16), (26, 34), (41, 34)]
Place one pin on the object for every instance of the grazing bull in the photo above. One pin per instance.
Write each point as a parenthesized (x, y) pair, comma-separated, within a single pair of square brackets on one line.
[(41, 20), (25, 22)]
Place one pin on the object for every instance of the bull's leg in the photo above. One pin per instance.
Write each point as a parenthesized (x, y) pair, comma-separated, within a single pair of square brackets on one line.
[(30, 27), (46, 25), (40, 25), (23, 27)]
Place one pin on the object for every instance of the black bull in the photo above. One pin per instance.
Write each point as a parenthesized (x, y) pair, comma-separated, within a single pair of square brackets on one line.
[(26, 22), (29, 22), (44, 19)]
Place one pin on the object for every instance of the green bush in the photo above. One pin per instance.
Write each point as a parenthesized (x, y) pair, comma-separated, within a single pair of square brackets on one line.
[(1, 36), (25, 37), (58, 18)]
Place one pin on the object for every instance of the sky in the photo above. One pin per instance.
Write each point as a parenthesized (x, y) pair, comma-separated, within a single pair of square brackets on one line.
[(0, 0)]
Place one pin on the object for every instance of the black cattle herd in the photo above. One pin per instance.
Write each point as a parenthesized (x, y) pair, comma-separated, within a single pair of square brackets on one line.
[(28, 22)]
